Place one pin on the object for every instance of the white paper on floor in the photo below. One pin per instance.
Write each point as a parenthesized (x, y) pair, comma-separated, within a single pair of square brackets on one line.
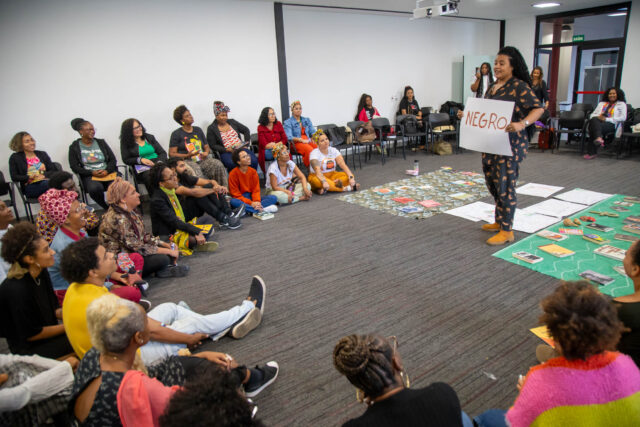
[(538, 190), (584, 197), (530, 221), (556, 208), (475, 211)]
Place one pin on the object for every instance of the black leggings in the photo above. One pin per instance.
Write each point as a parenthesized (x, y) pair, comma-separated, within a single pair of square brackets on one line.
[(598, 129), (214, 204), (154, 263), (96, 190)]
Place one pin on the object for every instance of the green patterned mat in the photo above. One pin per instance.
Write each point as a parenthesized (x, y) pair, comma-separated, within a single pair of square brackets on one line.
[(441, 186), (584, 259)]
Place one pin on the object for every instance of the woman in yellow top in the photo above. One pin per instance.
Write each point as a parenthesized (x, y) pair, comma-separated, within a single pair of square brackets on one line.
[(323, 164)]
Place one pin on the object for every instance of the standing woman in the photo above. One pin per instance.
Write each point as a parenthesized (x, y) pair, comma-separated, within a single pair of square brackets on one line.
[(139, 148), (606, 119), (270, 132), (93, 160), (513, 83), (366, 110), (224, 136), (28, 166), (298, 130), (189, 144), (482, 80), (539, 86)]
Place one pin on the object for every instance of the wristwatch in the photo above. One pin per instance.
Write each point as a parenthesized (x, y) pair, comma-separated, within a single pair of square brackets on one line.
[(526, 123)]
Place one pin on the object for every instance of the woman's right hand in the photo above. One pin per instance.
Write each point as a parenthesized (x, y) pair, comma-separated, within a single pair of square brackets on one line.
[(257, 206), (174, 253), (146, 162), (478, 75)]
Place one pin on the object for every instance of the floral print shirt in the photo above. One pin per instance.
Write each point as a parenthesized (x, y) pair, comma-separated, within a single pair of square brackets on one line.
[(122, 231)]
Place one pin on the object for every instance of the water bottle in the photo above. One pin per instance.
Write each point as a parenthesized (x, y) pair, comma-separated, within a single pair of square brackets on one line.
[(416, 166)]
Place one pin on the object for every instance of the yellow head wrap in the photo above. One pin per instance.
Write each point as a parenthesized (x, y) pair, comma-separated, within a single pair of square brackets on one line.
[(316, 136), (277, 149)]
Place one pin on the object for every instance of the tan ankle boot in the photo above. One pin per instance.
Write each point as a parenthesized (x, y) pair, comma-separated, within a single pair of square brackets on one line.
[(491, 227), (501, 238)]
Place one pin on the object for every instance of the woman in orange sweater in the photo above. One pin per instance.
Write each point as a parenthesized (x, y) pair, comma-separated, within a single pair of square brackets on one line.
[(244, 186)]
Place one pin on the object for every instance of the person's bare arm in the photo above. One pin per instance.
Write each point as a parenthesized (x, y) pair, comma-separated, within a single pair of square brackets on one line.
[(48, 332), (173, 152), (194, 192)]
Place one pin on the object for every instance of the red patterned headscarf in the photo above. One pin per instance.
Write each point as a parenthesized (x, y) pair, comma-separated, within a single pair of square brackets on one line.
[(56, 204)]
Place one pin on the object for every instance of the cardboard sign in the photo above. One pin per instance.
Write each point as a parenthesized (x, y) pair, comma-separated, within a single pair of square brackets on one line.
[(482, 126)]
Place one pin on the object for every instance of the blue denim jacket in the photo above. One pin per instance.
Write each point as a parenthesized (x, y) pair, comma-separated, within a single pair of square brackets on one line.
[(292, 127)]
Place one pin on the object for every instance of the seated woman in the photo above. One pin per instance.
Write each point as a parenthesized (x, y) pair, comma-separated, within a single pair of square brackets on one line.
[(28, 166), (189, 144), (63, 208), (167, 216), (270, 132), (112, 385), (244, 187), (324, 176), (298, 130), (285, 180), (224, 136), (122, 230), (93, 160), (482, 80), (373, 366), (29, 310), (588, 381), (139, 148), (409, 105), (366, 110), (47, 227), (607, 119)]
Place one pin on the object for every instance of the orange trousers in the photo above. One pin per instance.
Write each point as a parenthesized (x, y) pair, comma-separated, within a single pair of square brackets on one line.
[(316, 184), (305, 151)]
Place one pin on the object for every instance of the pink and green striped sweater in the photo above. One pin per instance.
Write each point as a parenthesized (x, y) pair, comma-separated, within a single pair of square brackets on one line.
[(603, 390)]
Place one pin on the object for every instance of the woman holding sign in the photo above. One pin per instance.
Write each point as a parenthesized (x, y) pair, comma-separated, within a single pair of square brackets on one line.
[(513, 83)]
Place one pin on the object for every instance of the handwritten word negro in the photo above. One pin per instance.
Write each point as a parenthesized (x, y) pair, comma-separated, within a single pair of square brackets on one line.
[(485, 120)]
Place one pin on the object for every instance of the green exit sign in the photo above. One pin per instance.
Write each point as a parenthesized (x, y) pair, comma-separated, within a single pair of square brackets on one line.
[(578, 38)]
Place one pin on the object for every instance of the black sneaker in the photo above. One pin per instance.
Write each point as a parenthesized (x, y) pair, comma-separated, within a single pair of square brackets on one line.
[(172, 271), (270, 373), (231, 223), (248, 323), (238, 212), (258, 292)]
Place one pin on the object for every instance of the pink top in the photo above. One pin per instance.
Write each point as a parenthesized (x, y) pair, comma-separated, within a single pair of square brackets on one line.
[(142, 400), (230, 139)]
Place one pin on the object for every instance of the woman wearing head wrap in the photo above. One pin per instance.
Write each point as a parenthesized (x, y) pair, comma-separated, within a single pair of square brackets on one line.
[(29, 309), (298, 129), (324, 176), (224, 136), (189, 144), (284, 178), (63, 208)]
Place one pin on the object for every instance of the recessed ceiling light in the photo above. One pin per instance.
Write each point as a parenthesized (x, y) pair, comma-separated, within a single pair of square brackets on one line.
[(617, 14), (546, 4)]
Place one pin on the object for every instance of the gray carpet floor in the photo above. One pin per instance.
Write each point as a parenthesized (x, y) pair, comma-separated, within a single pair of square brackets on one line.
[(333, 268)]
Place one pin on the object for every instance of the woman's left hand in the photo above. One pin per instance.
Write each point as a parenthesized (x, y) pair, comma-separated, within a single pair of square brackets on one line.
[(515, 127), (307, 192)]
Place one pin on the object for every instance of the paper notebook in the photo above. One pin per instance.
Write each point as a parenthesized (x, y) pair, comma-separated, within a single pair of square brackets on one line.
[(556, 250)]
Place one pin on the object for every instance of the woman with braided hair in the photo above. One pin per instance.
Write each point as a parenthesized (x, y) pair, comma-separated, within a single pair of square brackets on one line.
[(324, 160), (373, 365)]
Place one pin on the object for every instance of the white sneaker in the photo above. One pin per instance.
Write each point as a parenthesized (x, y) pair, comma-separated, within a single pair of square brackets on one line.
[(271, 209)]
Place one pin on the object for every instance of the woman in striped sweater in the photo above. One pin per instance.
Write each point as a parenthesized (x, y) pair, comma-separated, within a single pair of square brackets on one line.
[(587, 384)]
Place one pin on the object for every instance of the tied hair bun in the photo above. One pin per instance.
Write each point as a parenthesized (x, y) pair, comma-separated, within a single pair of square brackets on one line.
[(351, 355), (77, 123)]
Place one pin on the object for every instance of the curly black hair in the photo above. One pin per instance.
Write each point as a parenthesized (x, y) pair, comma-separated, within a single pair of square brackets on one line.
[(235, 156), (178, 113), (155, 174), (621, 97), (520, 70), (126, 132), (77, 123), (634, 251), (210, 399), (581, 320), (57, 178), (264, 116), (78, 259), (19, 241), (173, 162)]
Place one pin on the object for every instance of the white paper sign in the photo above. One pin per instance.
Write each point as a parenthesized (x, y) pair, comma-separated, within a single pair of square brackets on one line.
[(539, 190), (556, 208), (584, 197), (482, 126)]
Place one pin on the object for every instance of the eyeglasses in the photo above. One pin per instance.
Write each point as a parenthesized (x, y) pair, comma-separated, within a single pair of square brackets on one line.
[(137, 127)]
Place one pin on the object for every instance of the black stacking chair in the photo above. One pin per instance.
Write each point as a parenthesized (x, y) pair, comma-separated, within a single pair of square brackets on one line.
[(355, 145), (382, 126), (7, 188), (442, 119), (28, 201), (409, 128)]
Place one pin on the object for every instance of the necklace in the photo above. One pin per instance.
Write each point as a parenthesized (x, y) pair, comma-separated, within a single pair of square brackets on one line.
[(37, 280)]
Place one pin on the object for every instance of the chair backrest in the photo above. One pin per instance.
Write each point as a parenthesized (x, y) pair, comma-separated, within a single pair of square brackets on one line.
[(336, 134), (57, 166), (573, 119), (379, 122), (4, 185), (408, 123), (354, 124), (635, 116), (439, 119), (586, 108), (254, 139)]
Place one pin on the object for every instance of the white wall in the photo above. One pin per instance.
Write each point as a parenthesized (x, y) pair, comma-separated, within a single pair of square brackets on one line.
[(333, 57), (106, 61), (521, 34), (630, 82)]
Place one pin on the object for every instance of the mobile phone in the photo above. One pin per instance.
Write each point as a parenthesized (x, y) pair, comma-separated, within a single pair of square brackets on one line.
[(477, 70)]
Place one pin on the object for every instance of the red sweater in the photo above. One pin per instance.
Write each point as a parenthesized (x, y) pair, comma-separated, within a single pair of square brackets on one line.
[(240, 183), (266, 136)]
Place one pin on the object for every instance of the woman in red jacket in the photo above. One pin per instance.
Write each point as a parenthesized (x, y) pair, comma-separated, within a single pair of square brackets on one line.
[(270, 132)]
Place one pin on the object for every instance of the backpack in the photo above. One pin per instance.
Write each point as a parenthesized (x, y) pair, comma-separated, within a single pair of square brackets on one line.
[(410, 124), (365, 132), (336, 135), (451, 108)]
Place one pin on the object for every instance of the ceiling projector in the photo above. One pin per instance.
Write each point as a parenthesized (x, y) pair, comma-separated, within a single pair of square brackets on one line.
[(449, 8)]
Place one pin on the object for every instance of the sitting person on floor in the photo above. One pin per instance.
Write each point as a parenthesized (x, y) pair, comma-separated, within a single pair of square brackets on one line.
[(608, 118), (324, 160), (589, 380), (29, 309), (224, 136), (87, 264), (29, 167), (373, 366), (122, 230), (63, 208), (168, 219), (6, 218), (199, 196), (284, 178), (244, 187), (114, 387)]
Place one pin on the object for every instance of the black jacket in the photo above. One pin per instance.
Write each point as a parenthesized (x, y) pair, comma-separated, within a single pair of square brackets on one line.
[(164, 220), (75, 158), (215, 139), (131, 154), (18, 166)]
